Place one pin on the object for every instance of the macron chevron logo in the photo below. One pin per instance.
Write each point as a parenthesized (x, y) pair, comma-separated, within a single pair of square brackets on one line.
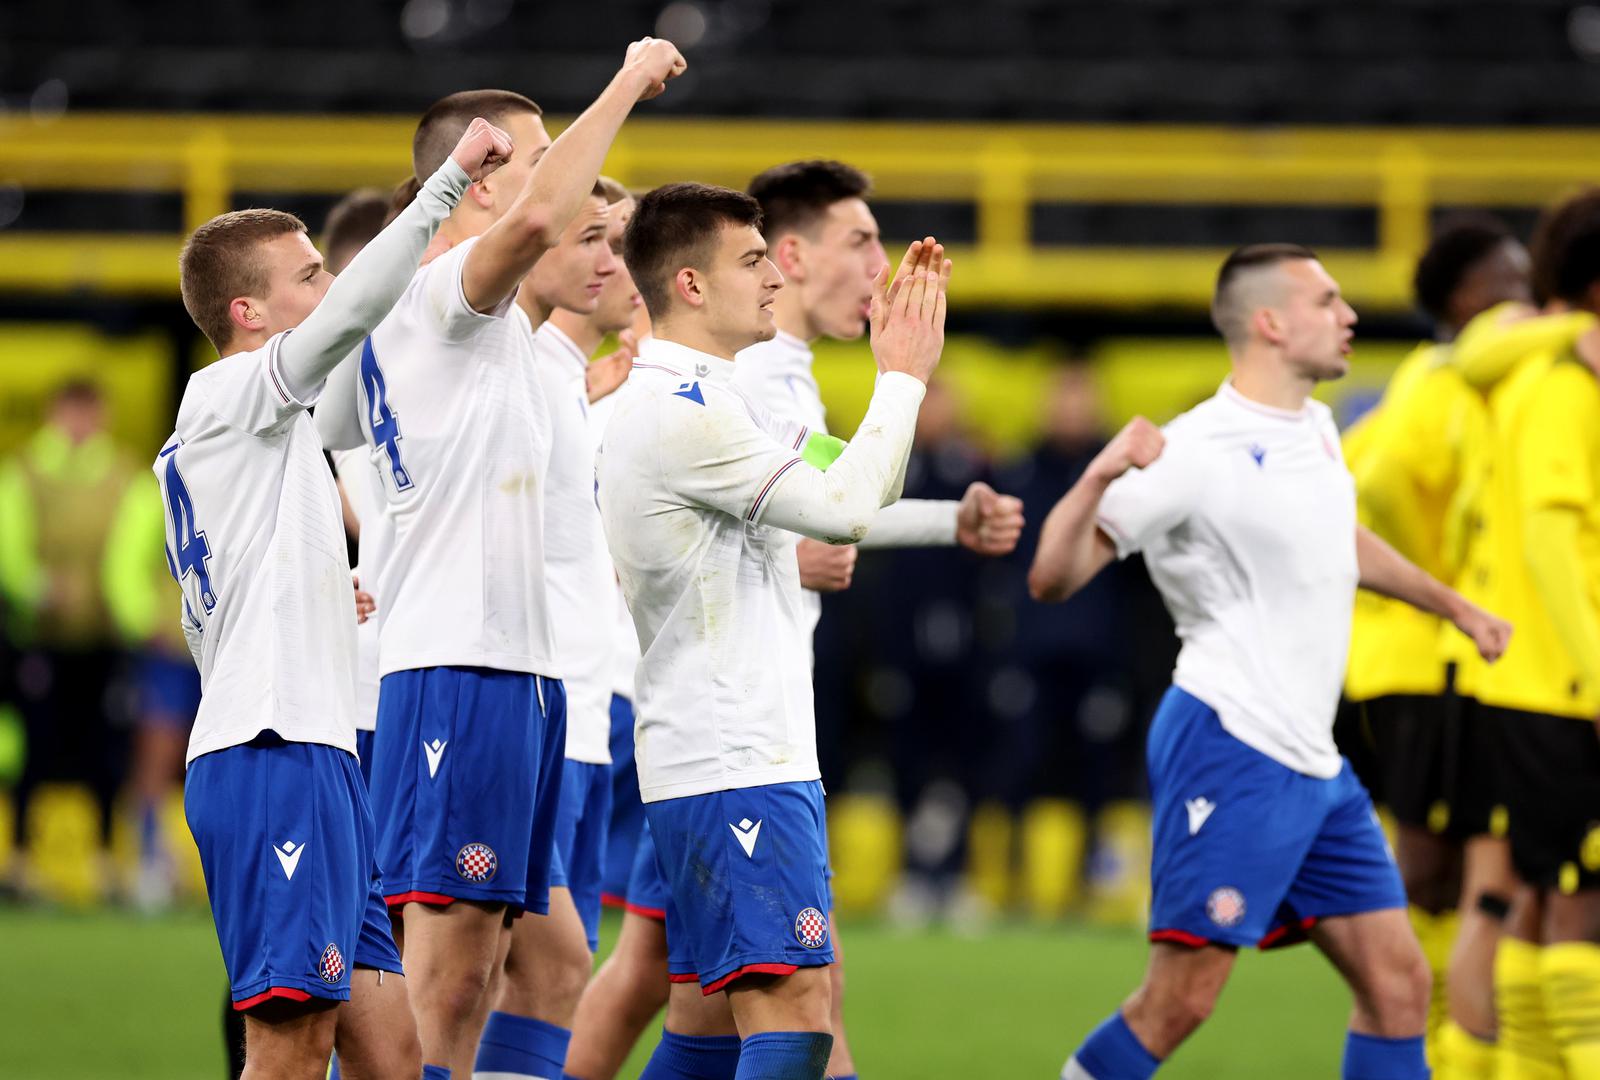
[(690, 390), (1259, 453), (1199, 809), (435, 752), (289, 857), (746, 834)]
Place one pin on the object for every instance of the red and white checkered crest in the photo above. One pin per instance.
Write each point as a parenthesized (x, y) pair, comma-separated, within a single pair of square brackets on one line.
[(331, 966), (1225, 906), (476, 862), (811, 928)]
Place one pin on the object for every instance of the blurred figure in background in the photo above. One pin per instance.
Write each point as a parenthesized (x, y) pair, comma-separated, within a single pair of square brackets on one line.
[(1067, 729), (922, 601), (57, 499), (354, 220), (165, 684)]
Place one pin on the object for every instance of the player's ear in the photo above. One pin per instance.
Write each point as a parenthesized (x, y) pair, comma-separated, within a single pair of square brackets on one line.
[(244, 314), (789, 257), (481, 192), (689, 286), (1268, 324)]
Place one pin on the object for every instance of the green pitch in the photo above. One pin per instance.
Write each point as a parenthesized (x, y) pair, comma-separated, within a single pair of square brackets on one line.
[(100, 996)]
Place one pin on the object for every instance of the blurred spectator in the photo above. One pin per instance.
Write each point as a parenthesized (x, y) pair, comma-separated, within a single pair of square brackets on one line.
[(1068, 726), (924, 679), (57, 500), (166, 684)]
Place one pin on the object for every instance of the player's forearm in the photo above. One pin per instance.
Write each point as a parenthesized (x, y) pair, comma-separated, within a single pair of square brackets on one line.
[(553, 195), (1071, 548), (1557, 571), (369, 287), (1490, 345), (914, 523), (839, 506), (1385, 571), (338, 411)]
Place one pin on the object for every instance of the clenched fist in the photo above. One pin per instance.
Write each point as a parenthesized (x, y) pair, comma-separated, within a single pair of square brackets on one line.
[(988, 522), (482, 149), (1136, 446), (825, 567), (650, 63)]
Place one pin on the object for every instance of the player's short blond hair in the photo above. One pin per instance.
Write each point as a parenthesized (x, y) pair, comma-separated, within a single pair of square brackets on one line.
[(613, 190), (222, 261), (447, 119)]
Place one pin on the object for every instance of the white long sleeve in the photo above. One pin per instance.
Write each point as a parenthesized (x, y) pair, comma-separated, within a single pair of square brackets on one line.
[(369, 287), (914, 523)]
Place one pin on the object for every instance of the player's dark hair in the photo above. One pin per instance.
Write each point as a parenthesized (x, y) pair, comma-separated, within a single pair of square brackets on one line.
[(78, 391), (403, 195), (1566, 249), (675, 226), (794, 197), (354, 220), (222, 260), (447, 119), (1461, 242), (1224, 314), (613, 190)]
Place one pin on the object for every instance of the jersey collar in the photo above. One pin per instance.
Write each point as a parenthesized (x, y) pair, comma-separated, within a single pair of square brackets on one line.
[(1228, 393), (563, 346), (684, 361)]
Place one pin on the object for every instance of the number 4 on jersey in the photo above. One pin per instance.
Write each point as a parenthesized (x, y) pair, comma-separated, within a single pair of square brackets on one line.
[(190, 552), (381, 420)]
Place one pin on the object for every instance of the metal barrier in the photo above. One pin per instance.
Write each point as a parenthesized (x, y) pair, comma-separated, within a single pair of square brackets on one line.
[(1003, 170)]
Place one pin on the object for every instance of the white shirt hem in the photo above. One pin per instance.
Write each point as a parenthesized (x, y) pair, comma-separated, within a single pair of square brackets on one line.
[(730, 781)]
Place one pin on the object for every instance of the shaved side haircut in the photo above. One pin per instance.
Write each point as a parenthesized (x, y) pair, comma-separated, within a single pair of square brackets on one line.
[(1244, 286)]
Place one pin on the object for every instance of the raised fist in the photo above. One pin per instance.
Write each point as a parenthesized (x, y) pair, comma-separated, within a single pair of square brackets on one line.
[(651, 62), (482, 149), (1136, 446)]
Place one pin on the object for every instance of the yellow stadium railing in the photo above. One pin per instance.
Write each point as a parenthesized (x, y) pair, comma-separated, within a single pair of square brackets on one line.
[(1002, 170)]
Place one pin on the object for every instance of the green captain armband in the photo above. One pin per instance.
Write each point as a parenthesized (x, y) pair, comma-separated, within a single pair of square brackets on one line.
[(822, 450)]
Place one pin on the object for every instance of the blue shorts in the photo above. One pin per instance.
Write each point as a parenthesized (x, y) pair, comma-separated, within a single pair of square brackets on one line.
[(627, 812), (580, 840), (169, 691), (286, 842), (747, 870), (364, 754), (466, 785), (649, 897), (1248, 851)]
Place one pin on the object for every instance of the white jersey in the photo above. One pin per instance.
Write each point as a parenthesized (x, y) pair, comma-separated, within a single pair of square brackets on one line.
[(1247, 522), (456, 418), (624, 640), (583, 587), (698, 487), (363, 487), (255, 538), (778, 374)]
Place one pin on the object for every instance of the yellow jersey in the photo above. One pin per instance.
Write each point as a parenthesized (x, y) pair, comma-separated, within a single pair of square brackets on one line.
[(1411, 460)]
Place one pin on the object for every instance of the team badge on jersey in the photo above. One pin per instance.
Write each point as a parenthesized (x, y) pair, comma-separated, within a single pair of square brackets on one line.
[(1225, 906), (331, 966), (476, 862), (811, 928)]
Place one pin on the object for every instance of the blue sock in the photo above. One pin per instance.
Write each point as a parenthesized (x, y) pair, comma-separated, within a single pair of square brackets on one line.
[(436, 1072), (520, 1046), (1113, 1052), (785, 1055), (852, 1076), (333, 1068), (693, 1057), (1367, 1057)]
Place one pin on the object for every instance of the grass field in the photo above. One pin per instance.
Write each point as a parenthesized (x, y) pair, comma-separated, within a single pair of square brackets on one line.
[(109, 995)]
